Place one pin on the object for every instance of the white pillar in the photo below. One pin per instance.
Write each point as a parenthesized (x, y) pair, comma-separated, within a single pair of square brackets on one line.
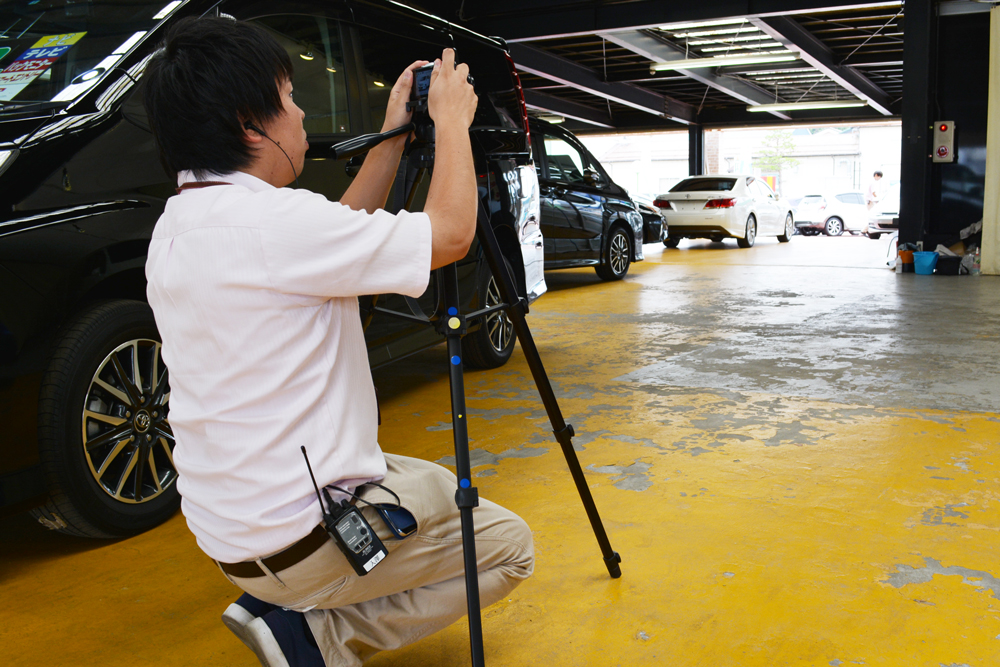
[(991, 202)]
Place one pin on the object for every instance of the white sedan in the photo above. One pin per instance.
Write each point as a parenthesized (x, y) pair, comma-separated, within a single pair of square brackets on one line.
[(832, 214), (720, 206)]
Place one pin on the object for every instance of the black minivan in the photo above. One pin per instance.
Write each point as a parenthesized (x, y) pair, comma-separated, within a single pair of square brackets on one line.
[(84, 394), (587, 220)]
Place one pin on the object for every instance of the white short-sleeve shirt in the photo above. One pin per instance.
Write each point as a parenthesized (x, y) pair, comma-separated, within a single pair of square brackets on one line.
[(254, 289)]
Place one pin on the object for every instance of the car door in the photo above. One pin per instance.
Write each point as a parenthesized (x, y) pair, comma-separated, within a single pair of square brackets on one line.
[(770, 220), (854, 209), (572, 205)]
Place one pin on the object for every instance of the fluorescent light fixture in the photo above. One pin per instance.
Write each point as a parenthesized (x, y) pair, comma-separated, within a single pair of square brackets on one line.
[(723, 61), (165, 12), (799, 106), (379, 84), (746, 49), (674, 27)]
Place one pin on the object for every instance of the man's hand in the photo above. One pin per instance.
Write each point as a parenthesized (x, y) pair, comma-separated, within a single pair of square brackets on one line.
[(396, 114), (451, 198), (451, 101)]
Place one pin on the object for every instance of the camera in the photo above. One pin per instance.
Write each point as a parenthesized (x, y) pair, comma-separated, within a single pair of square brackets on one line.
[(421, 82)]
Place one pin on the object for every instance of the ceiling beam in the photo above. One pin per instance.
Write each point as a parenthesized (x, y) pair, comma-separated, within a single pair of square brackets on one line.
[(549, 66), (793, 36), (566, 108), (525, 20), (657, 50)]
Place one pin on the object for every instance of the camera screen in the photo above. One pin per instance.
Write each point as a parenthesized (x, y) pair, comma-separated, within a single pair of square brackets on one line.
[(422, 81)]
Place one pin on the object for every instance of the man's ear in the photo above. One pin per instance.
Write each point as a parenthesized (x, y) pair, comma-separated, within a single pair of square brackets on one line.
[(251, 133)]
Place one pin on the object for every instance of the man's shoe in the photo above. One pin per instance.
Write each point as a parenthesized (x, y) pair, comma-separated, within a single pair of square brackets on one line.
[(282, 638), (240, 613)]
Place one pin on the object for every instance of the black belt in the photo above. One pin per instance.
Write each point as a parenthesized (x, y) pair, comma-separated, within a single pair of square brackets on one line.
[(281, 560)]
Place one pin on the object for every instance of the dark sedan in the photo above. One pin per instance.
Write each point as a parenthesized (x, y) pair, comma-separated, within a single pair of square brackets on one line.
[(654, 223)]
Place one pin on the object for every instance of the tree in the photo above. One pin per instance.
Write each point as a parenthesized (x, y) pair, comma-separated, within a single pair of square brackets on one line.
[(775, 151)]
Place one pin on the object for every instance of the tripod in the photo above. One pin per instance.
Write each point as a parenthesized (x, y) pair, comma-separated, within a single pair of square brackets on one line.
[(453, 324)]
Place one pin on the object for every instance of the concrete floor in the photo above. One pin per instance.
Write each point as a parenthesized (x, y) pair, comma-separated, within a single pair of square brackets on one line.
[(793, 449)]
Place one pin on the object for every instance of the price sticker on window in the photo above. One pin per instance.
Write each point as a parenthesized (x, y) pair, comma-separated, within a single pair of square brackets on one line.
[(31, 64)]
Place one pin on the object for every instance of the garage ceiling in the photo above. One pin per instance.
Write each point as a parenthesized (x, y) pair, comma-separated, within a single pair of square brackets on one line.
[(591, 61)]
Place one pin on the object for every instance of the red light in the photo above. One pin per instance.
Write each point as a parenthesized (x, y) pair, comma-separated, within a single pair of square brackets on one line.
[(663, 203), (720, 203), (943, 128)]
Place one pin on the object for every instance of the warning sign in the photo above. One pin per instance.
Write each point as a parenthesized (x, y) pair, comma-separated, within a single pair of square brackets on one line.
[(34, 62)]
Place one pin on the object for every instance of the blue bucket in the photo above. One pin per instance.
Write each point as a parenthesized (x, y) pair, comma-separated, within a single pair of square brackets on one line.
[(924, 262)]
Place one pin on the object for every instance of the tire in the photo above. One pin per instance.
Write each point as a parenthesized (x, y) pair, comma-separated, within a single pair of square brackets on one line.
[(789, 230), (671, 243), (750, 235), (834, 226), (874, 236), (617, 256), (491, 345), (104, 440)]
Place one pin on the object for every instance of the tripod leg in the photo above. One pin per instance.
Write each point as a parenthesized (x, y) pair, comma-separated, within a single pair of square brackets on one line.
[(562, 430), (466, 496)]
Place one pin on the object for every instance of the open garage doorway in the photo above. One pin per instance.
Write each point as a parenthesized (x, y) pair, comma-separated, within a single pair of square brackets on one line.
[(824, 172)]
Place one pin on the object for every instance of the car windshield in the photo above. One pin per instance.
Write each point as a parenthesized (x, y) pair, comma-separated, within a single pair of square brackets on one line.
[(812, 200), (55, 50), (705, 184)]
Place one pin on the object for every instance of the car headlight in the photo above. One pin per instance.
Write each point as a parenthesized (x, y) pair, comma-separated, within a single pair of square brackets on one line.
[(7, 158)]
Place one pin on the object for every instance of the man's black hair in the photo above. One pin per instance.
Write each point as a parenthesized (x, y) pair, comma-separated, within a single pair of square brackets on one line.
[(209, 77), (878, 173)]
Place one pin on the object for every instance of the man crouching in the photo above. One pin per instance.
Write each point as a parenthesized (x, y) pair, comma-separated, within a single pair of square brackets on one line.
[(254, 288)]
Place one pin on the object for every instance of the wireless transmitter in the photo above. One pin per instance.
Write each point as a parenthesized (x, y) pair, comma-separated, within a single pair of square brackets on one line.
[(349, 529)]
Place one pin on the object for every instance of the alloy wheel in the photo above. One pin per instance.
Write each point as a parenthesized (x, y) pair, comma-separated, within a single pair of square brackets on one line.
[(127, 440), (498, 324), (619, 254), (789, 227), (751, 230)]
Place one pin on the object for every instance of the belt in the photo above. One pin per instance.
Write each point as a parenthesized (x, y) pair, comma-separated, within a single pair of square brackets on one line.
[(281, 560)]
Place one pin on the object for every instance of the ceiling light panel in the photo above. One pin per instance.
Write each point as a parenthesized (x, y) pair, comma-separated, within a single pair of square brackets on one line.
[(702, 24), (752, 38), (747, 29), (749, 47)]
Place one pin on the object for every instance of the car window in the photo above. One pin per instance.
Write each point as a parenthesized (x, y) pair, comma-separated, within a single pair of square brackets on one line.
[(566, 163), (385, 58), (58, 49), (764, 189), (705, 184), (813, 200), (320, 83)]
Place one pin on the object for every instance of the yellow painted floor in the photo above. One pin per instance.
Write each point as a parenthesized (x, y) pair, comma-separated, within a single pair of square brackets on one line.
[(793, 449)]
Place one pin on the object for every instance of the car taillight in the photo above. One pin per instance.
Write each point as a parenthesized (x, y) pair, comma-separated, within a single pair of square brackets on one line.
[(664, 203), (720, 203), (520, 97)]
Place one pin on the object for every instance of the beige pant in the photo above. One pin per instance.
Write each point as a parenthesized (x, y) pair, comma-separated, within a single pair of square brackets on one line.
[(419, 588)]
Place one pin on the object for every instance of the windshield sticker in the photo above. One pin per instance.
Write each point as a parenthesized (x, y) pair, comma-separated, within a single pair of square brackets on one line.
[(34, 62), (4, 50)]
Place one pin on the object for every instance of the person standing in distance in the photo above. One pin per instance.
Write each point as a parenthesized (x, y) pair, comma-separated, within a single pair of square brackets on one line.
[(254, 289), (875, 192)]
